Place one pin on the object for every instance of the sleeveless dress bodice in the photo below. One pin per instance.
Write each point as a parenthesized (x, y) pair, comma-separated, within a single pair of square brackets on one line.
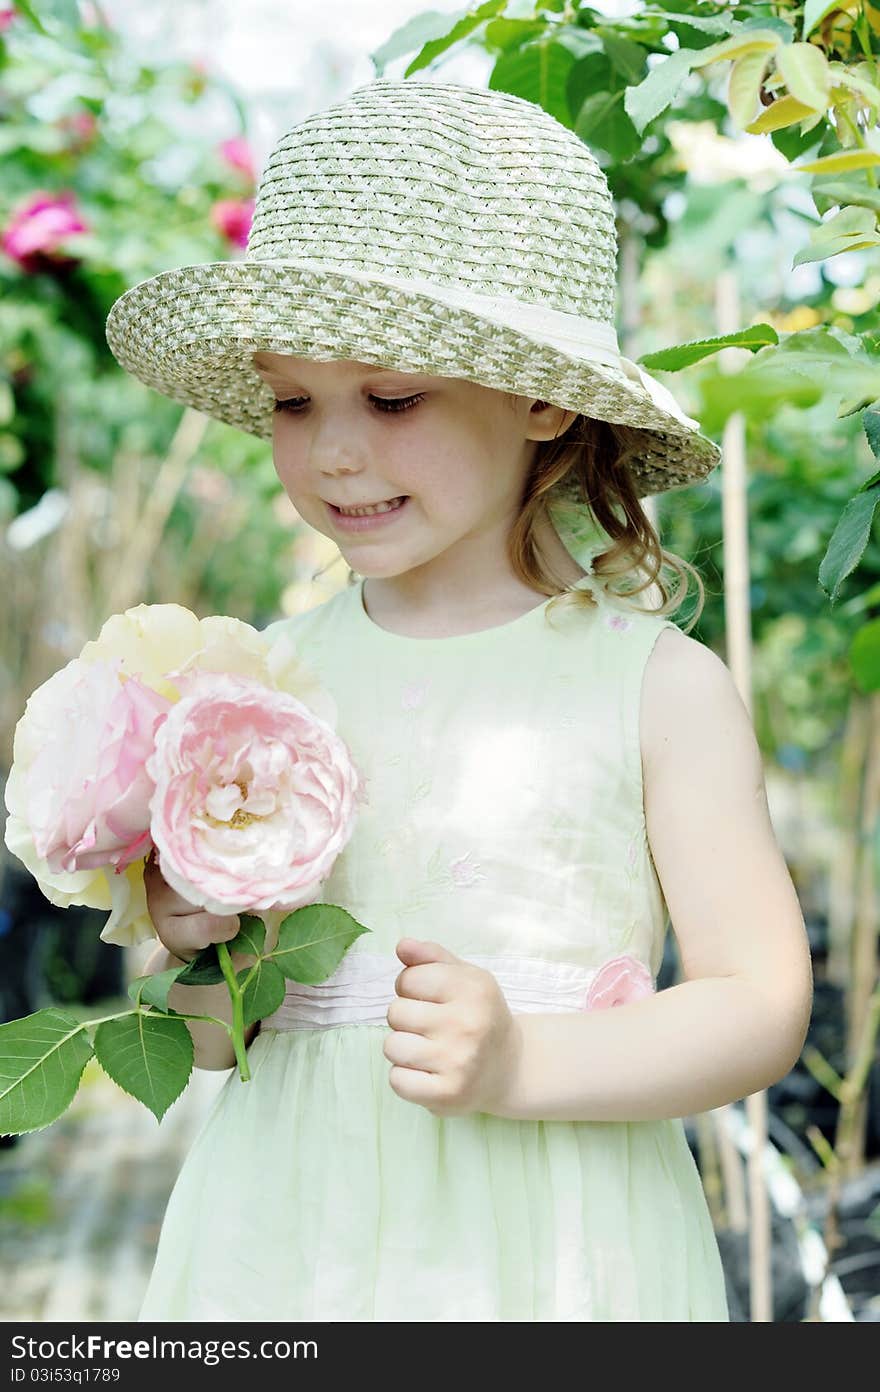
[(503, 817)]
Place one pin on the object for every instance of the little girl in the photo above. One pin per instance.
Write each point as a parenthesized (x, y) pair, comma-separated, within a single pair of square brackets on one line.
[(455, 1126)]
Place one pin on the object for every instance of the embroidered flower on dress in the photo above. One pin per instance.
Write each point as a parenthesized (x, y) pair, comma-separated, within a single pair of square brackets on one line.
[(619, 622), (618, 982), (465, 871)]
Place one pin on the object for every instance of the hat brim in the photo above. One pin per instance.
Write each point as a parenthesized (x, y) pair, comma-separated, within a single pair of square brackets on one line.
[(190, 332)]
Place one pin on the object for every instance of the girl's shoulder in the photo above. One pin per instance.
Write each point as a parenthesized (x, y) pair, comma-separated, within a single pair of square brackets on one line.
[(685, 684)]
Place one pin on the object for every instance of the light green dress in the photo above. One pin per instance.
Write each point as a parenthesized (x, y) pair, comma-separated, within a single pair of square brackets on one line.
[(505, 820)]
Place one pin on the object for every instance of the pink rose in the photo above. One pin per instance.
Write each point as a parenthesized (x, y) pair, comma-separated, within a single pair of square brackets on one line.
[(255, 796), (86, 793), (38, 228), (237, 153), (618, 982), (232, 217)]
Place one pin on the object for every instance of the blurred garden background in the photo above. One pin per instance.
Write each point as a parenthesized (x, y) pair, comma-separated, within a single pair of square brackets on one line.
[(131, 141)]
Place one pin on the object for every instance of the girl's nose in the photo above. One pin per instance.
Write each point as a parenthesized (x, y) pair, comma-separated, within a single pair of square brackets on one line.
[(335, 468)]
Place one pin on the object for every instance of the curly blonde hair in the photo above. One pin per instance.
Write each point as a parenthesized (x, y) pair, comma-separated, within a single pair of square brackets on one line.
[(587, 465)]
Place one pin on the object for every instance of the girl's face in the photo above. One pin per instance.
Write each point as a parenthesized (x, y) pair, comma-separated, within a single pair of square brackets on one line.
[(347, 435)]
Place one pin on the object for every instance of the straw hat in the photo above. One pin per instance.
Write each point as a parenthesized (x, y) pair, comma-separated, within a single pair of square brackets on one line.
[(426, 226)]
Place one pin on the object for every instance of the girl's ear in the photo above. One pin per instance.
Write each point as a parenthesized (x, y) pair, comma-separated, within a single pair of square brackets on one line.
[(548, 422)]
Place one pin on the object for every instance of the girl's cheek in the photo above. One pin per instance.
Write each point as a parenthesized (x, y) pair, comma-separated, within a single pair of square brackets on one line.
[(291, 478)]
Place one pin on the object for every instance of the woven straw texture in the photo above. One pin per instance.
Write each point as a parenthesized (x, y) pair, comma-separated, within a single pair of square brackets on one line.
[(468, 189)]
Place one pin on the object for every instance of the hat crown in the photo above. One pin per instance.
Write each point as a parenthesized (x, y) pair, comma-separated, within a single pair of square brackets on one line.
[(476, 189)]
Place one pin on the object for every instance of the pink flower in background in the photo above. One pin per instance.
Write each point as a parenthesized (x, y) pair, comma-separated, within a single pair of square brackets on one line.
[(237, 153), (255, 796), (86, 793), (232, 217), (618, 982), (38, 227), (6, 18), (82, 128)]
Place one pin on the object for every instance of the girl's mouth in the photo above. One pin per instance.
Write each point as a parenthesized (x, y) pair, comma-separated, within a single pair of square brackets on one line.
[(367, 521)]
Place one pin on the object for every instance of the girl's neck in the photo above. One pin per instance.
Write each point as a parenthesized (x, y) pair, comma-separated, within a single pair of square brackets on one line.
[(455, 602)]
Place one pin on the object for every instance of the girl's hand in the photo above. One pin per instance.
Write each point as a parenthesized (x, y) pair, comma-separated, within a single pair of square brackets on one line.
[(455, 1044), (183, 928)]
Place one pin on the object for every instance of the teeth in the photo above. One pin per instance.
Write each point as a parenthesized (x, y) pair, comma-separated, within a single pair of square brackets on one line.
[(368, 511)]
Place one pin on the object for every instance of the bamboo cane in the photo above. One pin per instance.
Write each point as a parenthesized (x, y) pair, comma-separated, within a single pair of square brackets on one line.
[(129, 580), (852, 1118), (844, 864), (738, 636)]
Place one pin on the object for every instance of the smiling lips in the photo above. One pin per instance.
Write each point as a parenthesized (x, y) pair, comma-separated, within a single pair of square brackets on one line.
[(367, 509), (364, 519)]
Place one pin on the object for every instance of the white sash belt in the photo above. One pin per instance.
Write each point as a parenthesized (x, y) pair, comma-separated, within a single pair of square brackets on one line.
[(362, 988)]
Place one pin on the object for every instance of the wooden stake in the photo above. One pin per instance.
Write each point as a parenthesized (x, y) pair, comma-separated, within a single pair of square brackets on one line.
[(737, 619)]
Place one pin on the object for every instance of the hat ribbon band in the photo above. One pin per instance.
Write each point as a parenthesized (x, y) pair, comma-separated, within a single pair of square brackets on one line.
[(581, 337)]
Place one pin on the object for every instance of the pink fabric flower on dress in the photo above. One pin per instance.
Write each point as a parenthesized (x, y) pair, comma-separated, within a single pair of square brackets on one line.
[(465, 871), (619, 622), (618, 982), (255, 796)]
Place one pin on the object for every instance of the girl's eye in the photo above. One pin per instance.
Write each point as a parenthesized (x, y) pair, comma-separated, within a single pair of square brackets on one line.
[(294, 404)]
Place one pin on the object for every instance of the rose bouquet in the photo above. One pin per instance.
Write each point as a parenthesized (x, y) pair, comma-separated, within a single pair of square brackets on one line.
[(206, 744)]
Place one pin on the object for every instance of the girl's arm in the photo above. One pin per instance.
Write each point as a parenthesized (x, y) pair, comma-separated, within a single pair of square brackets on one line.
[(738, 1021), (211, 1043)]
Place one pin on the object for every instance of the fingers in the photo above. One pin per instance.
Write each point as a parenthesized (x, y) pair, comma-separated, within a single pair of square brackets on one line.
[(183, 928), (413, 1016), (187, 934), (160, 894), (428, 981)]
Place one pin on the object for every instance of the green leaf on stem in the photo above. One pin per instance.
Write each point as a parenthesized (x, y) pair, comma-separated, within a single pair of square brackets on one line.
[(831, 191), (153, 990), (148, 1056), (683, 354), (203, 970), (415, 33), (464, 26), (814, 12), (313, 940), (852, 229), (848, 541), (251, 936), (263, 993), (651, 96), (42, 1057)]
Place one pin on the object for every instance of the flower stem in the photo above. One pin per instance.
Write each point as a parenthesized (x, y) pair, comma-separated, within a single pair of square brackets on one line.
[(237, 997)]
